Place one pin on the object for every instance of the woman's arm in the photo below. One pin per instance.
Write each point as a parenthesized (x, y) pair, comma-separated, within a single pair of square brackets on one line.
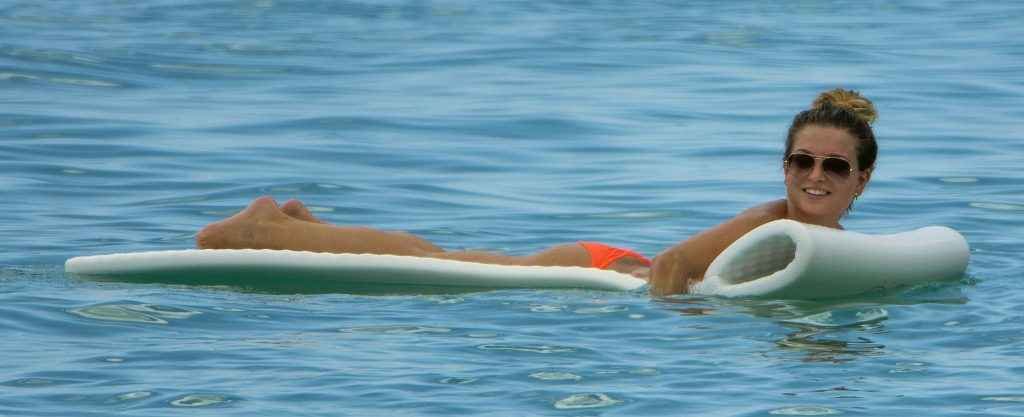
[(684, 264)]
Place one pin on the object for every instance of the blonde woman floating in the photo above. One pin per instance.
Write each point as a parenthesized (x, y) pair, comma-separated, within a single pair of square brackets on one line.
[(829, 155)]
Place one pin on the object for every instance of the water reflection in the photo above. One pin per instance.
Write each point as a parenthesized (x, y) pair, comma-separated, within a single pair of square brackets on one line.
[(819, 331), (838, 334), (132, 312), (826, 345), (828, 333), (687, 305)]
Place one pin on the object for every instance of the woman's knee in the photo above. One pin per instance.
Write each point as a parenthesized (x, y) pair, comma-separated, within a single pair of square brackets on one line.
[(417, 246)]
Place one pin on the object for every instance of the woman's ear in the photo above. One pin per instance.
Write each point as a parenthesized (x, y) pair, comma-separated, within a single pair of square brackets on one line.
[(863, 177)]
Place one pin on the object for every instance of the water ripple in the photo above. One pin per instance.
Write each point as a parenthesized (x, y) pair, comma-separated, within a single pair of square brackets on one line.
[(541, 349), (590, 400), (843, 318), (397, 329), (132, 396), (201, 400), (137, 313), (508, 126), (805, 411), (555, 376)]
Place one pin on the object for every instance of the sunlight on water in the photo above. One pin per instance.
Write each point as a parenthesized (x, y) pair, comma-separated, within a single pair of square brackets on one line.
[(576, 401), (805, 411), (556, 376), (542, 349), (200, 400), (132, 396), (843, 317), (139, 313)]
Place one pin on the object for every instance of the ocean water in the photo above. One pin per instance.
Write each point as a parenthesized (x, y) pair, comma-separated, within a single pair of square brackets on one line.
[(507, 126)]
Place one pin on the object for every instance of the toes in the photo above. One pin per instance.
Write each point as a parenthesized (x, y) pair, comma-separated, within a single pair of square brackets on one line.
[(210, 237), (264, 208), (262, 204), (296, 209), (293, 206)]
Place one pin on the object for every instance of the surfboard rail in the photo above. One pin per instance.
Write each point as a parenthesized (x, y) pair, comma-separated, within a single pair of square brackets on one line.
[(326, 272)]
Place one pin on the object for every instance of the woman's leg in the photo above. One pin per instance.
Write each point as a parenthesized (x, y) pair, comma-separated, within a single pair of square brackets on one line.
[(263, 225), (571, 254), (562, 255)]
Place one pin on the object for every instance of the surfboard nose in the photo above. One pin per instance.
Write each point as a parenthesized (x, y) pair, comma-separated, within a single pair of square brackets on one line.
[(788, 259)]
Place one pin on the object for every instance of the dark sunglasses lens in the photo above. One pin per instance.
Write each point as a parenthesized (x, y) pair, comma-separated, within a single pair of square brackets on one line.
[(836, 166), (801, 161)]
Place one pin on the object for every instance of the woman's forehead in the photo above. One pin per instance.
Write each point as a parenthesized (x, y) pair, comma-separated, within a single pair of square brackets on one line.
[(825, 141)]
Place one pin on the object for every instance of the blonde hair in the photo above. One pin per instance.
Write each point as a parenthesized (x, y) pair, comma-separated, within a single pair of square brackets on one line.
[(842, 109), (849, 100)]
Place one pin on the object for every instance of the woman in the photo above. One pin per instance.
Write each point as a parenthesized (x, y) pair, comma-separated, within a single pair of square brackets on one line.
[(830, 152)]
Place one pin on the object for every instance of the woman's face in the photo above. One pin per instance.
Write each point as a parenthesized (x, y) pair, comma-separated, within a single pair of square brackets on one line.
[(820, 194)]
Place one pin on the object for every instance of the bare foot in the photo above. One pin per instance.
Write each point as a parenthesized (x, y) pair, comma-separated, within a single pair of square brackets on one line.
[(296, 209), (256, 227)]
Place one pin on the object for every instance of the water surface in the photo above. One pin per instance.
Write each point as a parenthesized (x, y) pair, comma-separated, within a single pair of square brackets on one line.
[(508, 126)]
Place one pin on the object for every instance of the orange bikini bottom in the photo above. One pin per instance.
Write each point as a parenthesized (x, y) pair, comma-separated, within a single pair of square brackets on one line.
[(601, 255)]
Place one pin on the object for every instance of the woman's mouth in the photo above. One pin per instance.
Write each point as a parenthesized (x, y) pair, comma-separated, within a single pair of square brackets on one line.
[(817, 192)]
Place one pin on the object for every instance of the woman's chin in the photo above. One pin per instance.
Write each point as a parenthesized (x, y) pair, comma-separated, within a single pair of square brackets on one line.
[(819, 214)]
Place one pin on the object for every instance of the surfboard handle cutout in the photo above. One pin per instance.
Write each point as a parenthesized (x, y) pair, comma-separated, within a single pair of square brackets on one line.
[(760, 259)]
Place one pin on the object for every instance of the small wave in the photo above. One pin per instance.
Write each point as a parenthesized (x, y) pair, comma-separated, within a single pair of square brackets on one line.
[(132, 396), (397, 329), (546, 308), (455, 380), (1007, 399), (542, 349), (594, 400), (805, 411), (200, 400), (136, 313), (601, 310), (555, 376), (31, 382), (959, 180), (62, 79), (998, 206), (842, 318)]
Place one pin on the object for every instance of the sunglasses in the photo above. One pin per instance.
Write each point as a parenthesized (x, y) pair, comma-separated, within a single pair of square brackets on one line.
[(836, 166)]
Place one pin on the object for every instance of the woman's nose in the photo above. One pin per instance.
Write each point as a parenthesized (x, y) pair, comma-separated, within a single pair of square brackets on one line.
[(817, 171)]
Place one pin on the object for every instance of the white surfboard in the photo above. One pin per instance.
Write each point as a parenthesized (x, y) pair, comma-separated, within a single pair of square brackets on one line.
[(781, 259), (788, 259), (294, 271)]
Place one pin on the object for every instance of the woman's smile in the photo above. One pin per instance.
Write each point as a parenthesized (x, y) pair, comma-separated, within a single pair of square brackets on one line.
[(819, 193)]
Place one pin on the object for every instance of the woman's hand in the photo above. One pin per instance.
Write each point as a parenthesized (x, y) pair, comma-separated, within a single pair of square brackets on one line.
[(671, 272), (684, 264)]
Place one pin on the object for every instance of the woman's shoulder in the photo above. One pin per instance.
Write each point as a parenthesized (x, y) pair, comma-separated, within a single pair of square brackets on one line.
[(764, 213)]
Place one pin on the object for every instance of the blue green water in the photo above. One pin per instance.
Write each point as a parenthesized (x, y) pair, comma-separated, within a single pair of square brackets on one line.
[(509, 126)]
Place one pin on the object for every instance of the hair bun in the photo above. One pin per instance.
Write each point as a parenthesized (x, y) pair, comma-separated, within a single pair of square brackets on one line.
[(848, 100)]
